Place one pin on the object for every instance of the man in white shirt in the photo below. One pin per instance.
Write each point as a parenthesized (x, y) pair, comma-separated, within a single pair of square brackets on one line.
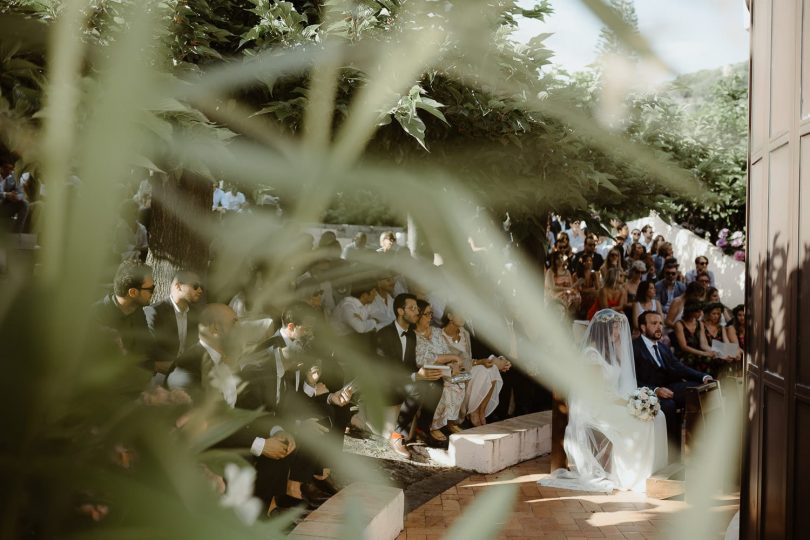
[(357, 245), (576, 236), (233, 200), (350, 315), (646, 239), (381, 309)]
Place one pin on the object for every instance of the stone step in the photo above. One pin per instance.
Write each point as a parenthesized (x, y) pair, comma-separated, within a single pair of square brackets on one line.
[(382, 510), (667, 482), (496, 446)]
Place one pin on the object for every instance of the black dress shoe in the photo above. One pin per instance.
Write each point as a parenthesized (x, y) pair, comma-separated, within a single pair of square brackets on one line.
[(313, 496), (326, 485), (430, 440), (398, 446)]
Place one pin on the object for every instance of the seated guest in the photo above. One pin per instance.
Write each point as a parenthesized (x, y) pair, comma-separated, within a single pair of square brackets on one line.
[(646, 239), (636, 253), (645, 301), (559, 284), (576, 236), (432, 349), (563, 245), (483, 389), (309, 291), (694, 292), (669, 288), (701, 265), (612, 295), (588, 284), (413, 386), (659, 369), (664, 252), (173, 322), (356, 246), (120, 315), (351, 314), (615, 259), (217, 367), (13, 201), (381, 309), (736, 328), (690, 340), (636, 273), (589, 250)]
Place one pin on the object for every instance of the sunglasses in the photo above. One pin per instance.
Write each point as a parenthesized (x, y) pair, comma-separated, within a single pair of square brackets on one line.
[(196, 285), (150, 289), (671, 273)]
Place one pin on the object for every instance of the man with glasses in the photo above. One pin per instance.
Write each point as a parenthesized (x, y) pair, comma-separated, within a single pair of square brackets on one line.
[(173, 322), (669, 288), (413, 387), (589, 249), (120, 316), (701, 265)]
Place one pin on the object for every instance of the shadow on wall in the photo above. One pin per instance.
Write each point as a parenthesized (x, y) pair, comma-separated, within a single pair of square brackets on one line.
[(729, 274)]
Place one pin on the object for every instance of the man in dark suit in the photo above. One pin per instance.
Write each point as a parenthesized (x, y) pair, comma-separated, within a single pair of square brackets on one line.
[(657, 368), (215, 366), (173, 322), (416, 388)]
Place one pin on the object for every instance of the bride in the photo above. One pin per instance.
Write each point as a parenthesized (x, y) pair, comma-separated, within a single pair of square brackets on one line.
[(608, 447)]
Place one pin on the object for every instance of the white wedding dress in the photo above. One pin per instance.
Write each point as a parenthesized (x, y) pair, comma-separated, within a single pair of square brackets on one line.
[(607, 447)]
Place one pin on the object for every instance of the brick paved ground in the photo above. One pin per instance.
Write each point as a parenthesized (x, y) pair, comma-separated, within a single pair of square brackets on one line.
[(542, 512)]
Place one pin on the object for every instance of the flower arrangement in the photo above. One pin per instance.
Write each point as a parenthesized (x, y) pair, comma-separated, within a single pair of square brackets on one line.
[(643, 404), (732, 243)]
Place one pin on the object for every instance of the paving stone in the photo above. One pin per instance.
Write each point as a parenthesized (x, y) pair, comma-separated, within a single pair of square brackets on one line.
[(555, 513)]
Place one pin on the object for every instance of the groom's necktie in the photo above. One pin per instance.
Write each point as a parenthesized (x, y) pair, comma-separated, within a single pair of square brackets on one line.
[(658, 359)]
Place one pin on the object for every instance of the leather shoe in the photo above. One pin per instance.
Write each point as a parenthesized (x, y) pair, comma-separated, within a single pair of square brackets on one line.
[(326, 485), (430, 440), (313, 496), (398, 446)]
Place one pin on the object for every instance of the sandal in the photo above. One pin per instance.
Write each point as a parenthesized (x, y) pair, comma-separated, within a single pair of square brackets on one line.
[(438, 435)]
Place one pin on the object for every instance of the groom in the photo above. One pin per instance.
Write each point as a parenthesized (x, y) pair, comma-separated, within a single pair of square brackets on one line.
[(659, 369)]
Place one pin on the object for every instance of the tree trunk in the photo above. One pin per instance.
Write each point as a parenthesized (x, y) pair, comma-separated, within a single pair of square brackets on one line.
[(181, 204)]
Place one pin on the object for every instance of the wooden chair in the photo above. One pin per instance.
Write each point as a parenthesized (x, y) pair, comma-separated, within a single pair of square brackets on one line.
[(701, 402)]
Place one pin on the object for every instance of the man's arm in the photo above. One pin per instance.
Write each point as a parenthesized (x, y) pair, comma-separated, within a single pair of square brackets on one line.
[(683, 371)]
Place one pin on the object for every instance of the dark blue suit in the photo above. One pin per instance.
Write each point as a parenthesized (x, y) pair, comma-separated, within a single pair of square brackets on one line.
[(673, 375)]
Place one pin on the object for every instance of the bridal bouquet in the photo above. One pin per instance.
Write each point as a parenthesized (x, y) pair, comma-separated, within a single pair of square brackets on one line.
[(643, 404)]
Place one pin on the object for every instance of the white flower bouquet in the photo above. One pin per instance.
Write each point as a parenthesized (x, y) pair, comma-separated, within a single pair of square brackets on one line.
[(643, 404)]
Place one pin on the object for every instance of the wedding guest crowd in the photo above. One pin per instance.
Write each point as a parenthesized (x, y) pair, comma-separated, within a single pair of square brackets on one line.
[(640, 274)]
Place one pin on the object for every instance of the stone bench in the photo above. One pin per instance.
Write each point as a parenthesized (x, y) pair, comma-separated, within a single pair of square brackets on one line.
[(496, 446), (382, 512)]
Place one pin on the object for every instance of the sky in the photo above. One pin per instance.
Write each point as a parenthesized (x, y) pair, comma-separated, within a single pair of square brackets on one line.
[(689, 35)]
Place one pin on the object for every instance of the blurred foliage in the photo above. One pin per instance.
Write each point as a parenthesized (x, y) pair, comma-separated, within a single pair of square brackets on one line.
[(518, 158), (429, 108)]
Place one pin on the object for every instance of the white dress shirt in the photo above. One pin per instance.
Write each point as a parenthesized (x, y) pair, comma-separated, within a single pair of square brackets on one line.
[(351, 316), (381, 310)]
